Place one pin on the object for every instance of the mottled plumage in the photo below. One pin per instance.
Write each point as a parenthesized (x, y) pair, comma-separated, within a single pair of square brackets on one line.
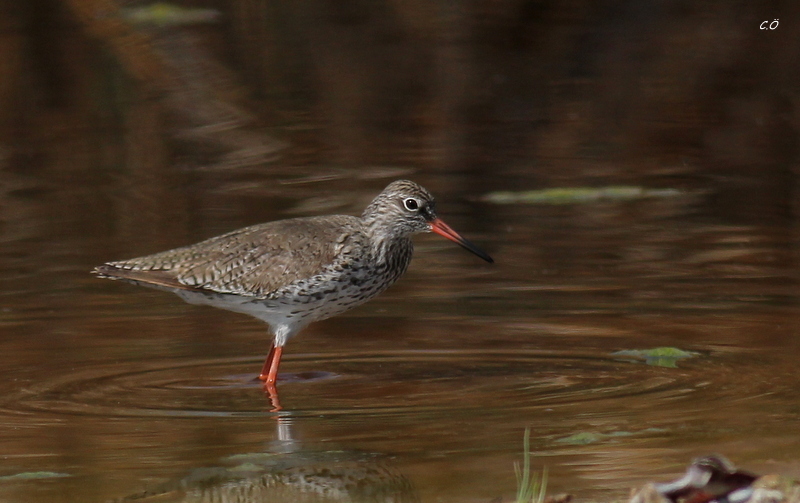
[(291, 272)]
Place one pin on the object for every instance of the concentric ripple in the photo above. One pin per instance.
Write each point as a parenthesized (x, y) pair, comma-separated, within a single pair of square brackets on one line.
[(400, 382)]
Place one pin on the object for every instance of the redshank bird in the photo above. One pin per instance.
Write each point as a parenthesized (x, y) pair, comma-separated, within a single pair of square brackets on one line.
[(289, 273)]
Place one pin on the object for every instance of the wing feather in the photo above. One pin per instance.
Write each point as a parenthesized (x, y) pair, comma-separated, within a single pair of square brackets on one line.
[(253, 261)]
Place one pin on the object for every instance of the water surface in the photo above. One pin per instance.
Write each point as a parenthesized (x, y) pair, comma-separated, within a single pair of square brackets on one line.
[(110, 391)]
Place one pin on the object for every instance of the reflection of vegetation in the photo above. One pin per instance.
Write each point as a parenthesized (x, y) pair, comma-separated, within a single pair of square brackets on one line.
[(531, 487), (658, 357), (575, 195)]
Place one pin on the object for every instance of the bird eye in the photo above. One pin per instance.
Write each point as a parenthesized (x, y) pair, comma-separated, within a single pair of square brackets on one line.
[(411, 204)]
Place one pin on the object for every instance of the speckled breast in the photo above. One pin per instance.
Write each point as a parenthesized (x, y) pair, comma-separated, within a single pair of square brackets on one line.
[(342, 287)]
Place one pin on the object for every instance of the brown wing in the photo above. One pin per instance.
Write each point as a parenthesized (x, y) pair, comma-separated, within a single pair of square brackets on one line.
[(253, 261)]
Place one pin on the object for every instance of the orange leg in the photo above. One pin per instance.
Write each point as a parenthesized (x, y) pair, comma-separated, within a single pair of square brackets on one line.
[(269, 373)]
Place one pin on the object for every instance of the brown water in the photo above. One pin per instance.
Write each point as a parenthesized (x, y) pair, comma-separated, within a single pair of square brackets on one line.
[(111, 391)]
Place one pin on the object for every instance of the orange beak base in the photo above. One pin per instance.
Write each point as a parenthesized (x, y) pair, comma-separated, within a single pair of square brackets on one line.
[(443, 229)]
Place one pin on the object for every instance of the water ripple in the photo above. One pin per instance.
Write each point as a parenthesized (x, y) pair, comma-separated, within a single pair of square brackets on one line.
[(437, 383)]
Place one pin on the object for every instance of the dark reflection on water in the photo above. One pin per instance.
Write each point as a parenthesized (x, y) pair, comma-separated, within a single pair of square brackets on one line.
[(122, 142)]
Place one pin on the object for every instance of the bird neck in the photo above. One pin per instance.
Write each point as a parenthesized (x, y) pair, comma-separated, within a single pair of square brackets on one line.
[(394, 256), (388, 247), (391, 246)]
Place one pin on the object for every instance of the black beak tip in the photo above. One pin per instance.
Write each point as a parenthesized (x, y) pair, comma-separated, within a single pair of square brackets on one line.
[(477, 251)]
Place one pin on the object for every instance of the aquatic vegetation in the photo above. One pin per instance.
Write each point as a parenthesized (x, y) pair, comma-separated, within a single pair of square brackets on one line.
[(583, 438), (164, 14), (578, 195), (531, 487), (588, 437), (657, 357), (33, 476)]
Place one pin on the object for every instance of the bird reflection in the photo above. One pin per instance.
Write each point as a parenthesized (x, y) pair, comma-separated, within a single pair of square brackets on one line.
[(284, 473)]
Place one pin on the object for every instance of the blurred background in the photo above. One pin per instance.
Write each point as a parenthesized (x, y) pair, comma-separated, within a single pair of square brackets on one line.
[(632, 167)]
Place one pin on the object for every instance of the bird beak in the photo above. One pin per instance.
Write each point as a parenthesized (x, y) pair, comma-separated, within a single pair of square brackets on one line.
[(443, 229)]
